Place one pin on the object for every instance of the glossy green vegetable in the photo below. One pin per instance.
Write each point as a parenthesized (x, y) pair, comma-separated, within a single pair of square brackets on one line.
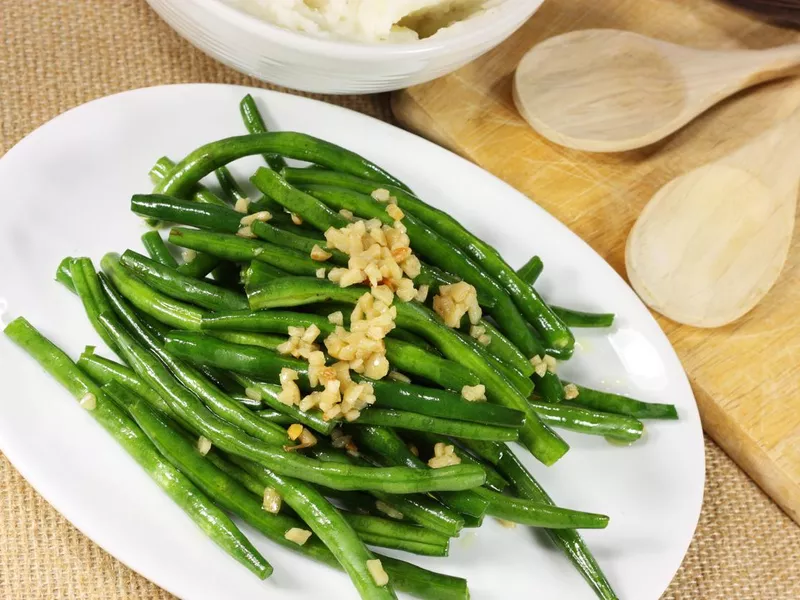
[(530, 271), (549, 387), (85, 283), (257, 273), (202, 161), (389, 417), (192, 501), (199, 193), (220, 218), (539, 514), (622, 405), (578, 318), (505, 351), (158, 250), (169, 281), (568, 541), (229, 185), (387, 533), (255, 124), (584, 420), (301, 243), (537, 437), (200, 266), (525, 297)]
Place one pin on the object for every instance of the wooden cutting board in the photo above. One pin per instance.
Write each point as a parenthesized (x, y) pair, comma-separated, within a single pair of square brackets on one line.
[(746, 376)]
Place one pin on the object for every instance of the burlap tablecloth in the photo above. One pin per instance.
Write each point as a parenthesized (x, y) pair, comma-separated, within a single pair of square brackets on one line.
[(60, 53)]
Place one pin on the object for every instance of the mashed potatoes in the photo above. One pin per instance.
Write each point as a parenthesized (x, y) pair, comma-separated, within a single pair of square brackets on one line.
[(366, 20)]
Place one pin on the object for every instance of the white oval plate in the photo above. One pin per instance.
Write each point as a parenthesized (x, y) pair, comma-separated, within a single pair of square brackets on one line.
[(66, 189)]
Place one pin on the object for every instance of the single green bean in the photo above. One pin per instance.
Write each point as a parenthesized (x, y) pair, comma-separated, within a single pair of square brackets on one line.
[(413, 360), (169, 281), (389, 417), (568, 541), (85, 282), (158, 250), (296, 291), (301, 243), (622, 405), (191, 500), (378, 531), (539, 514), (520, 381), (200, 266), (549, 387), (255, 124), (229, 185), (583, 420), (63, 275), (199, 193), (222, 219), (578, 318), (199, 163), (530, 271), (256, 273), (505, 350)]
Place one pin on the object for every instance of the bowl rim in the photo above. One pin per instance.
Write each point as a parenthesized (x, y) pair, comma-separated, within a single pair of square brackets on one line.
[(512, 14)]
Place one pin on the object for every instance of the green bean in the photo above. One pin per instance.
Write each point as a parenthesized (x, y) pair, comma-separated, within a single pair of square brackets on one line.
[(439, 403), (273, 416), (530, 271), (229, 185), (213, 217), (420, 509), (158, 250), (578, 318), (549, 387), (199, 193), (413, 360), (232, 247), (214, 399), (63, 275), (103, 371), (390, 417), (429, 245), (232, 440), (543, 443), (568, 541), (161, 307), (199, 163), (281, 237), (255, 124), (191, 500), (622, 405), (200, 266), (169, 281), (257, 273), (413, 339), (393, 450), (268, 393), (525, 297), (494, 481), (328, 524), (539, 514), (270, 342), (85, 282), (272, 321), (583, 420)]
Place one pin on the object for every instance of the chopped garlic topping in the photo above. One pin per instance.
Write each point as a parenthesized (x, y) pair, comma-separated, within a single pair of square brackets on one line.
[(454, 301), (242, 205), (443, 456), (89, 401), (571, 391), (319, 254), (379, 576), (474, 393), (272, 501), (262, 215), (297, 535), (203, 445)]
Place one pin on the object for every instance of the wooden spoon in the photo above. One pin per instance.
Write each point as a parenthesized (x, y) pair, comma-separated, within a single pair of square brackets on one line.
[(710, 244), (605, 90)]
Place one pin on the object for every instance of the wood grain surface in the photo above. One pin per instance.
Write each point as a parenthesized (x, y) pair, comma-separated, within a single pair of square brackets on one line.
[(746, 375)]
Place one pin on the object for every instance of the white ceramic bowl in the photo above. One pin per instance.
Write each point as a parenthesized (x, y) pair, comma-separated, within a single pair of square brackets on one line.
[(311, 64)]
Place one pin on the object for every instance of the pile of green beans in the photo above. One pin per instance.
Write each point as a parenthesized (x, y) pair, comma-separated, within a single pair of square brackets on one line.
[(196, 397)]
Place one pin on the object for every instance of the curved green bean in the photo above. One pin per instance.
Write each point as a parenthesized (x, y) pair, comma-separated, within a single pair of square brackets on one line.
[(222, 219), (199, 193), (530, 271), (583, 420), (579, 318), (255, 124), (622, 405), (158, 250), (539, 514), (200, 162)]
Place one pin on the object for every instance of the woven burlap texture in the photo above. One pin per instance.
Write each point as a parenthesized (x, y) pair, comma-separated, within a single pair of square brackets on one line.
[(58, 54)]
